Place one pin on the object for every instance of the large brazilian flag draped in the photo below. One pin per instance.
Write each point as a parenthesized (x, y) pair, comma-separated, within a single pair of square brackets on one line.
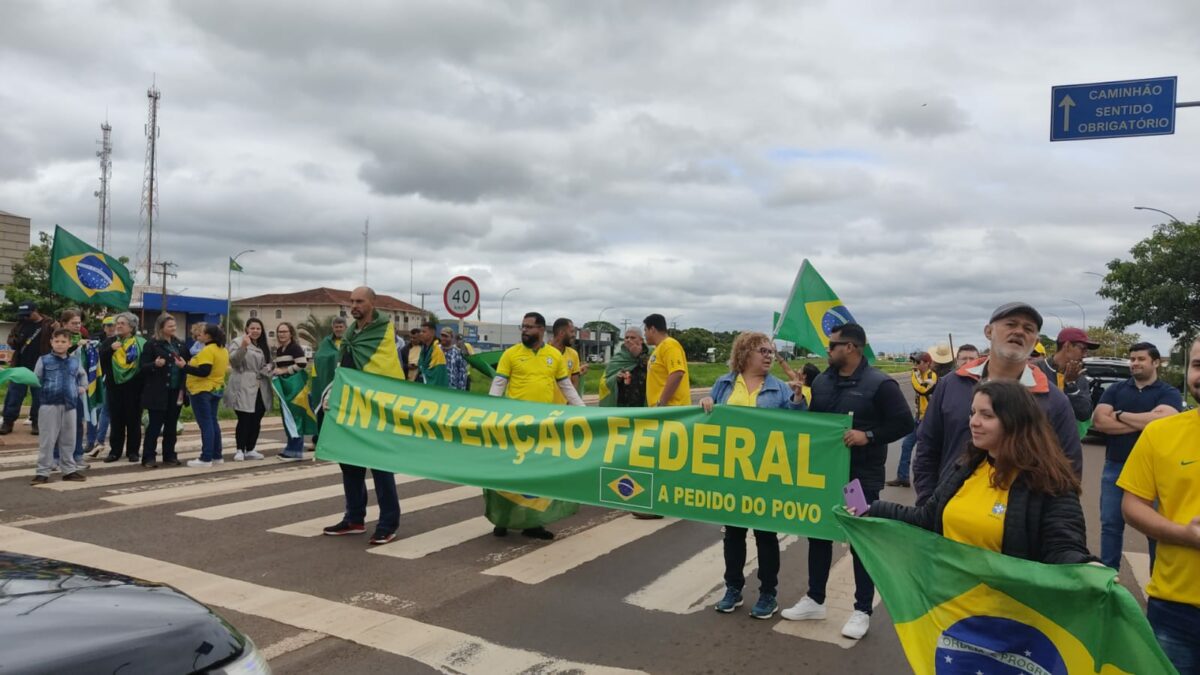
[(19, 375), (373, 349), (962, 609), (86, 274), (812, 310)]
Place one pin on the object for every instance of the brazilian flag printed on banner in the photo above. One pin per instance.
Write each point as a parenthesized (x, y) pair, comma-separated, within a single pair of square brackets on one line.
[(86, 274), (962, 609), (521, 512), (811, 312), (293, 392)]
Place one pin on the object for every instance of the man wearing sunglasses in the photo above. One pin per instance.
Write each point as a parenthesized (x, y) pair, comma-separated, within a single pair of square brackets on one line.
[(881, 415)]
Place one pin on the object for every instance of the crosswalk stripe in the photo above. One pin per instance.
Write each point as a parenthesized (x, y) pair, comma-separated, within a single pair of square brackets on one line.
[(312, 527), (442, 649), (161, 473), (421, 545), (283, 474), (1140, 564), (570, 552), (98, 463), (260, 504), (839, 605), (698, 582)]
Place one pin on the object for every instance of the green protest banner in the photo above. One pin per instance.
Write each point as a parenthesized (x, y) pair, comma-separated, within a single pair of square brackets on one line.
[(775, 470)]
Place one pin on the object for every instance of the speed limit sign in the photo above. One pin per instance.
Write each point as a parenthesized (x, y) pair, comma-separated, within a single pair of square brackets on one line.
[(461, 297)]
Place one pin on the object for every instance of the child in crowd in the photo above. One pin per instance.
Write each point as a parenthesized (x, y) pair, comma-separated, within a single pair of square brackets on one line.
[(63, 381)]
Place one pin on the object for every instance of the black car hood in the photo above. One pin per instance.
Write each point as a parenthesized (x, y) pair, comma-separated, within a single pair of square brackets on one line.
[(56, 617)]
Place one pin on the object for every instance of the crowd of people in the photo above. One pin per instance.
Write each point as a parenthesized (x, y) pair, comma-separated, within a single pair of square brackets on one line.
[(994, 445)]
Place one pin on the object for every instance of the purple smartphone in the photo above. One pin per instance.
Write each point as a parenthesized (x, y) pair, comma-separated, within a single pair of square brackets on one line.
[(853, 493)]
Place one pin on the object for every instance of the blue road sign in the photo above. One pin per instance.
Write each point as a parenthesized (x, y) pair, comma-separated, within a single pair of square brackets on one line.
[(1080, 112)]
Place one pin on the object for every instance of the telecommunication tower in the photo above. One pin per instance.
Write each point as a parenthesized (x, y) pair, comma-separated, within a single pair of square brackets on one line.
[(105, 155), (150, 182)]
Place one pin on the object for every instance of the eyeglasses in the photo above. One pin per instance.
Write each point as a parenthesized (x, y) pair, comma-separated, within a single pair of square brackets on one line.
[(766, 351)]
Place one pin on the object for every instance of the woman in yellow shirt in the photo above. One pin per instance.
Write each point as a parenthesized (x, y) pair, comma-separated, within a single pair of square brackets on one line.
[(750, 383), (205, 386), (1014, 491)]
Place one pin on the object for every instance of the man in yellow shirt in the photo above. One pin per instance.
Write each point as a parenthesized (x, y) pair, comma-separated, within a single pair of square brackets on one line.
[(924, 379), (563, 339), (667, 376), (532, 371), (1164, 467)]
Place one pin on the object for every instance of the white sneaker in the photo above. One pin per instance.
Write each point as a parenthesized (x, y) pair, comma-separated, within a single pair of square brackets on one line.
[(239, 456), (218, 461), (805, 610), (857, 625), (254, 454), (199, 463), (284, 458)]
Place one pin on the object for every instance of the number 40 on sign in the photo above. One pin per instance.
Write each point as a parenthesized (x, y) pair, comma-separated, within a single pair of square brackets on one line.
[(461, 297)]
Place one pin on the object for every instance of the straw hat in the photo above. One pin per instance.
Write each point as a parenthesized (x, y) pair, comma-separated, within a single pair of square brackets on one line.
[(941, 353)]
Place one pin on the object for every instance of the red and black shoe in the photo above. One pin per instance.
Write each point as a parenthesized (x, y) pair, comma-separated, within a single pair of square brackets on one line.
[(344, 528)]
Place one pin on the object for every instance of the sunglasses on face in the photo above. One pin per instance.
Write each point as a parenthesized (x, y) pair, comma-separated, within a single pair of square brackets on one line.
[(833, 344)]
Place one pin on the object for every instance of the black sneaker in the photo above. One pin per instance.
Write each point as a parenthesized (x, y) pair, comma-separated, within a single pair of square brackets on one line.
[(898, 482), (33, 430), (111, 458), (381, 538), (75, 476), (135, 458), (344, 528), (538, 533), (39, 480), (150, 465), (172, 462), (499, 531), (5, 428)]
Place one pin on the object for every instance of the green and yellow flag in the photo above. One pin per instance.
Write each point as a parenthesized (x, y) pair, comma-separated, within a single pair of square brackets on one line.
[(127, 356), (86, 274), (485, 362), (811, 312), (19, 375), (432, 364), (293, 392), (373, 348), (962, 609)]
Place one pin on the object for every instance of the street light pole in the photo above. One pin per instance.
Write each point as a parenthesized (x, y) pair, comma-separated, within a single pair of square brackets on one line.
[(229, 290), (502, 314), (1082, 314), (1151, 208)]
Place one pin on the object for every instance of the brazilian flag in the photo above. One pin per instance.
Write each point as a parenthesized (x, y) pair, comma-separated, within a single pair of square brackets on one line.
[(87, 275), (962, 609), (811, 312), (293, 392), (485, 362), (521, 512), (95, 375), (19, 375)]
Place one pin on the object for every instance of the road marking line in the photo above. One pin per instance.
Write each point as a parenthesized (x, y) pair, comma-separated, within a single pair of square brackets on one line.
[(161, 473), (698, 582), (440, 648), (257, 505), (839, 605), (291, 644), (421, 545), (289, 472), (566, 554), (312, 527), (25, 468), (1140, 564)]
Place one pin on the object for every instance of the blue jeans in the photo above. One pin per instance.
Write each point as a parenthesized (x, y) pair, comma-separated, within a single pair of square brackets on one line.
[(204, 405), (906, 448), (13, 400), (1174, 625), (98, 432), (354, 484), (294, 447), (1112, 522)]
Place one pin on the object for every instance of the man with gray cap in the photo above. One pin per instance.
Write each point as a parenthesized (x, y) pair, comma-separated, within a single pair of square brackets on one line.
[(30, 340), (944, 433)]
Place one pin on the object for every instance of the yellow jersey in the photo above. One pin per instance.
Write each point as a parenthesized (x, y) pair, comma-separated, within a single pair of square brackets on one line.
[(532, 375), (217, 356), (668, 357), (571, 357), (975, 514), (1164, 466), (923, 384)]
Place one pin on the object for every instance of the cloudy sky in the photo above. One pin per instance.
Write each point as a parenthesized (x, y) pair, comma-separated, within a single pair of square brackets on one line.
[(679, 157)]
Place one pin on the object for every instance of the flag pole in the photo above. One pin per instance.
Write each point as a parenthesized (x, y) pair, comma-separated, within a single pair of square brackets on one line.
[(229, 291)]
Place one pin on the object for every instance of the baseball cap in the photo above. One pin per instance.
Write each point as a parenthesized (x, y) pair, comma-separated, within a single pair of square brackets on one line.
[(446, 330), (26, 308), (108, 321), (1038, 349), (1010, 308), (1076, 335)]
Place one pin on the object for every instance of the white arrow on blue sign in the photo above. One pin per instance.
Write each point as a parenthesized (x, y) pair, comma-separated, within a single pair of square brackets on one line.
[(1081, 112)]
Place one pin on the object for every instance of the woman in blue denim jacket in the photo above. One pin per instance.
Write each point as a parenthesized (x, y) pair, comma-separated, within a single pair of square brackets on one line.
[(750, 383)]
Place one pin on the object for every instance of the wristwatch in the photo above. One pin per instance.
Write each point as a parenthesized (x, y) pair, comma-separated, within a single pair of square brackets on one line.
[(1118, 415), (870, 436)]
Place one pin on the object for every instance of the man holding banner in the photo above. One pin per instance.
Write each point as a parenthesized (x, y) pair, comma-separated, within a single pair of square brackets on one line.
[(880, 416), (369, 346), (530, 371)]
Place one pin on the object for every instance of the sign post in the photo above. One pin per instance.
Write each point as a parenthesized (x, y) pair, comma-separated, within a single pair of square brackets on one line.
[(1080, 112), (461, 298)]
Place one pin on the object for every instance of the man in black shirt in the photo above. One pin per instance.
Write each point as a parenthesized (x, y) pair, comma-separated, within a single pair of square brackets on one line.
[(30, 340)]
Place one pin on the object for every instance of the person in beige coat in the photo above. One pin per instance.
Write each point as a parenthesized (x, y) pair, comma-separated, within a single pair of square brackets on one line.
[(248, 391)]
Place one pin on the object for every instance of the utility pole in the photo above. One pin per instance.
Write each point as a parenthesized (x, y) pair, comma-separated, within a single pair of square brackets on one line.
[(150, 179), (105, 155), (423, 294), (165, 272)]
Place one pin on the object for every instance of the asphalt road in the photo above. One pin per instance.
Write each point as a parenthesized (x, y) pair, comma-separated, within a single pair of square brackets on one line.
[(610, 594)]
